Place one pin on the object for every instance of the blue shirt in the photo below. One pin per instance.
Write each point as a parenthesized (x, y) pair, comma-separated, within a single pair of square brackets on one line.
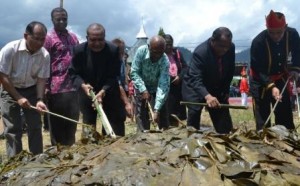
[(153, 77), (122, 77)]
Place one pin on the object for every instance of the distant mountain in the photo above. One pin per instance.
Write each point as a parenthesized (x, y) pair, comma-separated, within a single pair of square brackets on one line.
[(243, 56), (240, 57)]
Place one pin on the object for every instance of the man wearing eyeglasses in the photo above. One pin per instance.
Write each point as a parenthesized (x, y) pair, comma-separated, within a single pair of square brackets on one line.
[(61, 94), (275, 56), (24, 69), (96, 66)]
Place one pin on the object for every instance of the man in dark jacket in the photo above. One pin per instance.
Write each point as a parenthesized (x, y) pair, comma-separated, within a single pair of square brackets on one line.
[(208, 80), (96, 66), (271, 51)]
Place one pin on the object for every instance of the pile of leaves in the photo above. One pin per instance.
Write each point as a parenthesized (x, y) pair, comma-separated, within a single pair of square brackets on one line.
[(178, 156)]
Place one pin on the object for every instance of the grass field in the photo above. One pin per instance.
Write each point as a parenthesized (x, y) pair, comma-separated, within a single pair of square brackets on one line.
[(239, 117)]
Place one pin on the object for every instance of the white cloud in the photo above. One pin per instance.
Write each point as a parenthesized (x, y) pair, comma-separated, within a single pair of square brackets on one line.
[(190, 22)]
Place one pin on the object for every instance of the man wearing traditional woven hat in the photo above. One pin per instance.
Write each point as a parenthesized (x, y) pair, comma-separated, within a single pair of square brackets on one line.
[(275, 57)]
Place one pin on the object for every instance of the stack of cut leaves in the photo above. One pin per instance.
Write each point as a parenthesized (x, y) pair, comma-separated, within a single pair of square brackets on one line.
[(177, 156)]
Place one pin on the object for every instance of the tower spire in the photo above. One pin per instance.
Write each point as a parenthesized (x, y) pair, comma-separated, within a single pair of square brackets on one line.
[(142, 33)]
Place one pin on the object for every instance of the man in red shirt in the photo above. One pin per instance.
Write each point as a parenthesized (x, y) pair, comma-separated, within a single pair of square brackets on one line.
[(244, 87)]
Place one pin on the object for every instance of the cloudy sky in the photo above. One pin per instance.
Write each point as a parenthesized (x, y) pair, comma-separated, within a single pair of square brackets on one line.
[(189, 21)]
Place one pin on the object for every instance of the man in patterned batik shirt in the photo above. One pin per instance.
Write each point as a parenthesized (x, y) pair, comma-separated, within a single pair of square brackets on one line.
[(62, 95)]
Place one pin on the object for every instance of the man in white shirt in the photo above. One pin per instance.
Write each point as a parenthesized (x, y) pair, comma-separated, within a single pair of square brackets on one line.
[(24, 69)]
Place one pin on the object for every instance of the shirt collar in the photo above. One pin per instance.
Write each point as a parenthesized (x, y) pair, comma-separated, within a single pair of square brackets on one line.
[(59, 33), (24, 48), (147, 54), (22, 45)]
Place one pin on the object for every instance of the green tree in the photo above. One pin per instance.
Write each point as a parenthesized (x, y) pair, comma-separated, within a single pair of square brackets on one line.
[(161, 32)]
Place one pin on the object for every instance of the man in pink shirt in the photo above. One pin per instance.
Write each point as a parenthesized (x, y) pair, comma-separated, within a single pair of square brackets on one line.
[(62, 95)]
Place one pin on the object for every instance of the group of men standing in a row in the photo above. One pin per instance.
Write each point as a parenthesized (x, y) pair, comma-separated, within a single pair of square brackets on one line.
[(67, 71)]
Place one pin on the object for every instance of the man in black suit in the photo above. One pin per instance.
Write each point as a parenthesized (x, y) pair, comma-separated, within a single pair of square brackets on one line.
[(208, 80), (96, 66)]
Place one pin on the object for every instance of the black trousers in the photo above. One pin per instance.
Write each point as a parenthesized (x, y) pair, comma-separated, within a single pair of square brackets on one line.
[(173, 104), (142, 114), (261, 107), (113, 108), (63, 131), (12, 120), (220, 117)]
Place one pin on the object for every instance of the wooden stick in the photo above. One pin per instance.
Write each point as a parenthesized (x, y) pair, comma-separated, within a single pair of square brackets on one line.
[(221, 105), (152, 115), (277, 101), (179, 121), (60, 116)]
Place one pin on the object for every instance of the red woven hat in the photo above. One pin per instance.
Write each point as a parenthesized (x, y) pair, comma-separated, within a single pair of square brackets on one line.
[(275, 20)]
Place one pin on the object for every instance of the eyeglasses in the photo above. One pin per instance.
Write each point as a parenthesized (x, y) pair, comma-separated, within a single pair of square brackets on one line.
[(42, 39)]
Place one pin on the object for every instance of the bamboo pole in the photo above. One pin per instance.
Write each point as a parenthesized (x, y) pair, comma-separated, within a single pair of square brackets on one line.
[(58, 115), (61, 116), (277, 101), (221, 105), (105, 122)]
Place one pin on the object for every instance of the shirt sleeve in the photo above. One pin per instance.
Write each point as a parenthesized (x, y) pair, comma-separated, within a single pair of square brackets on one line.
[(45, 66), (113, 70), (163, 84), (76, 68), (47, 44), (196, 75), (6, 55), (136, 70), (258, 58), (295, 50)]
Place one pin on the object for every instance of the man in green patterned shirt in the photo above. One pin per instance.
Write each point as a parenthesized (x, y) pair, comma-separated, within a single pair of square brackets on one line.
[(150, 76)]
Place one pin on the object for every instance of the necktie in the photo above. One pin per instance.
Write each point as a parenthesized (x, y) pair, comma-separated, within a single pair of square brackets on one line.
[(220, 66)]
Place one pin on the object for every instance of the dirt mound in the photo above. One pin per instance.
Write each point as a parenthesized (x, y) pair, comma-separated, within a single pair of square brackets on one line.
[(173, 157)]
